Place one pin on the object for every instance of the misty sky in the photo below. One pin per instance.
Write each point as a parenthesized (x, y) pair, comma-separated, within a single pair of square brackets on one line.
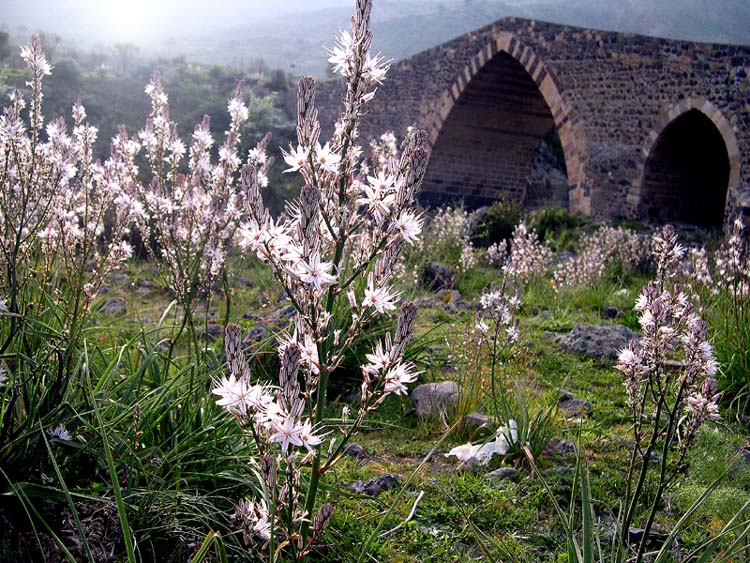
[(140, 21), (289, 33)]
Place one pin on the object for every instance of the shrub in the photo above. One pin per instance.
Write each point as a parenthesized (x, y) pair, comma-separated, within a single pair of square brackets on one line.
[(555, 226), (498, 223)]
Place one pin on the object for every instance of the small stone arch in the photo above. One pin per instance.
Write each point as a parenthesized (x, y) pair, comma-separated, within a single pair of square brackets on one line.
[(667, 119), (548, 85)]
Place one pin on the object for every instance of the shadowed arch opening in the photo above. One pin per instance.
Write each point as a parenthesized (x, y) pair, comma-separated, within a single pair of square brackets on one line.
[(686, 174), (499, 137)]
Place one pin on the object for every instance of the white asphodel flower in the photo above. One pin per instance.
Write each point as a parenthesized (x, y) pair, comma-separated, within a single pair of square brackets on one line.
[(409, 225), (296, 158), (482, 327), (378, 201), (315, 273), (327, 159), (250, 235), (379, 360), (341, 54), (59, 432), (237, 396), (397, 378), (381, 182), (375, 69), (380, 298), (309, 440), (287, 433)]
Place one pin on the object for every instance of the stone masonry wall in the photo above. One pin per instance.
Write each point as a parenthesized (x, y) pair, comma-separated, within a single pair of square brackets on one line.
[(610, 95)]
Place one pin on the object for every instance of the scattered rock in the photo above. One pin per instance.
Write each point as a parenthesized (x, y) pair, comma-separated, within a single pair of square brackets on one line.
[(214, 331), (611, 313), (543, 316), (565, 394), (559, 472), (560, 447), (503, 474), (437, 276), (114, 305), (635, 535), (257, 334), (243, 281), (433, 398), (744, 454), (355, 450), (598, 341), (447, 367), (251, 316), (427, 302), (376, 485), (474, 421), (655, 539), (575, 407), (478, 215), (450, 296), (283, 314), (144, 287)]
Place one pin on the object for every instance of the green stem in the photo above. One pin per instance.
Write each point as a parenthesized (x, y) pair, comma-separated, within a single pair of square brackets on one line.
[(633, 501)]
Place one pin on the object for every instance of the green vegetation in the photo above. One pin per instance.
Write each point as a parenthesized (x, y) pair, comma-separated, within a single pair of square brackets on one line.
[(178, 464), (110, 87), (151, 408)]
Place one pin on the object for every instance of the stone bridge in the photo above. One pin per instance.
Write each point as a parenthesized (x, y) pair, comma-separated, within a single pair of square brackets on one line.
[(607, 124)]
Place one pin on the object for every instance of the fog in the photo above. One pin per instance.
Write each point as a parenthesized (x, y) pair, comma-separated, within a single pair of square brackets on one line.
[(290, 34), (143, 21)]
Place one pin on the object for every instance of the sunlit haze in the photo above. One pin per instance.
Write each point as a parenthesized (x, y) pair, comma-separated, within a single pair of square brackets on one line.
[(140, 21), (291, 34)]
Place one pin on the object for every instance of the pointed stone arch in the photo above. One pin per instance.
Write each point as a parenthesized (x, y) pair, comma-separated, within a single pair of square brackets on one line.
[(704, 175), (547, 84)]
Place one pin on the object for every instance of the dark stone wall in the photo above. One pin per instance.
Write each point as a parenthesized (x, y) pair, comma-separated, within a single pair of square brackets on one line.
[(610, 96), (487, 144)]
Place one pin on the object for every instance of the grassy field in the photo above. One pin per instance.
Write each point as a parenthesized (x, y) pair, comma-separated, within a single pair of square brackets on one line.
[(181, 465)]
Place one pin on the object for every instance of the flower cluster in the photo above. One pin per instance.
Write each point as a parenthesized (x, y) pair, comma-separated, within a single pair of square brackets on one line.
[(274, 417), (468, 259), (695, 269), (193, 216), (527, 258), (668, 322), (497, 312), (449, 226), (606, 246), (732, 262), (58, 204), (668, 400), (497, 330), (497, 253), (333, 252)]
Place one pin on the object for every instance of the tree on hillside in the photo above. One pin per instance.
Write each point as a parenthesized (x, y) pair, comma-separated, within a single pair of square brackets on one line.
[(123, 55), (50, 43), (5, 49)]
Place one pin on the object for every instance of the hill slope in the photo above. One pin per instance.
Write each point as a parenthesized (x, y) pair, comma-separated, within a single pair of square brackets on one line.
[(402, 28)]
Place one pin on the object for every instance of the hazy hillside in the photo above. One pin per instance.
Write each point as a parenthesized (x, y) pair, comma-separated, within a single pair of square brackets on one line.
[(405, 27), (292, 34)]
